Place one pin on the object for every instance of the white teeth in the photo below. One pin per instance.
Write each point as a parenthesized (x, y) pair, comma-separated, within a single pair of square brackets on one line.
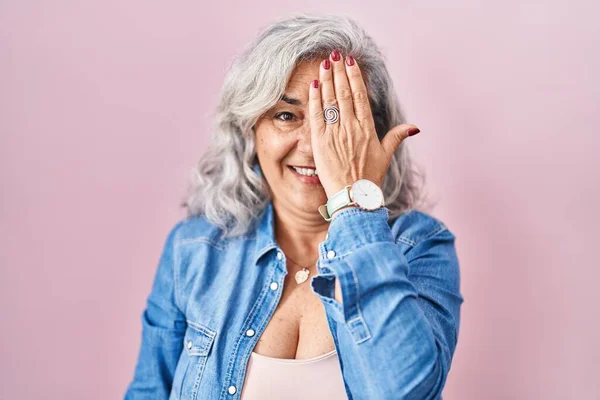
[(306, 171)]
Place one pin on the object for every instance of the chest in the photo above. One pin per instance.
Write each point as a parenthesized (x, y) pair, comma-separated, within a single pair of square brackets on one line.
[(298, 328)]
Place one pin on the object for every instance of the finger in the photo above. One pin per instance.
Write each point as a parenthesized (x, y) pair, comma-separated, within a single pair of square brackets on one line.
[(327, 89), (360, 97), (395, 136), (343, 92), (315, 109)]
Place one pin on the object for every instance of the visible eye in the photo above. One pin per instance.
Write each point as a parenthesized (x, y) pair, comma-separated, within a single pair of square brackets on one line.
[(285, 113)]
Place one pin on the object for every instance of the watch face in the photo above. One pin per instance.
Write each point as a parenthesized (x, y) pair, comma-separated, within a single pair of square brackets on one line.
[(367, 194)]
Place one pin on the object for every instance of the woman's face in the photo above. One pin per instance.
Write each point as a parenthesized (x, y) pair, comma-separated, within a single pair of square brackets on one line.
[(283, 140)]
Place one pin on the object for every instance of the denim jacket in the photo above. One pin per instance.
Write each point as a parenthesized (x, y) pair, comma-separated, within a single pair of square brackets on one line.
[(395, 330)]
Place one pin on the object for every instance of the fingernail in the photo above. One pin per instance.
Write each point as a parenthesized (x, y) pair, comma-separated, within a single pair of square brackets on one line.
[(316, 83), (326, 63), (335, 55), (413, 131), (349, 61)]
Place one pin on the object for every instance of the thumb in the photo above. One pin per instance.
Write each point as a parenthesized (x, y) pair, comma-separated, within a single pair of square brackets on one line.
[(395, 136)]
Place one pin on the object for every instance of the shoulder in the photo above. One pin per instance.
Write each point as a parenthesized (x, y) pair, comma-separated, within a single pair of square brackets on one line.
[(197, 230), (429, 247), (415, 226)]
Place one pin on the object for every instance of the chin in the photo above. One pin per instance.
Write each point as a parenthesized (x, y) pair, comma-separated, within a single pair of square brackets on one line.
[(310, 205)]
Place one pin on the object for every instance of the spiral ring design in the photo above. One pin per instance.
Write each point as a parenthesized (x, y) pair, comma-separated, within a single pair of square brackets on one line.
[(332, 114)]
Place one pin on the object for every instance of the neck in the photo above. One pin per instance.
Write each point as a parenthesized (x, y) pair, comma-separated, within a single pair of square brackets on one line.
[(299, 232)]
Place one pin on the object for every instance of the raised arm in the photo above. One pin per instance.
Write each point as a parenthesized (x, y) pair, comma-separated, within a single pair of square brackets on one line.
[(399, 317)]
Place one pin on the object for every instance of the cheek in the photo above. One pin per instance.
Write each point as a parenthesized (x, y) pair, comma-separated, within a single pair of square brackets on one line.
[(274, 149)]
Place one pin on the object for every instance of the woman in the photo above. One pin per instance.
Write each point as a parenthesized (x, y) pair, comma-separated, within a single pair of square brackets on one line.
[(307, 177)]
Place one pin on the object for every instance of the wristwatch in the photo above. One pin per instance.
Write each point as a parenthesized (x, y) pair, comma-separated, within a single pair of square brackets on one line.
[(363, 193)]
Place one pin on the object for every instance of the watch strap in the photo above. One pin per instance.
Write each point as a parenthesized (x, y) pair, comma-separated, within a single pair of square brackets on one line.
[(335, 202)]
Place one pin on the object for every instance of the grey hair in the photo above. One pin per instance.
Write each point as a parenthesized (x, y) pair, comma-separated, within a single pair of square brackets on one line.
[(224, 185)]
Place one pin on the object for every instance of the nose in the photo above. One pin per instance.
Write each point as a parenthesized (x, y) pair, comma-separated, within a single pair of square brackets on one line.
[(304, 140)]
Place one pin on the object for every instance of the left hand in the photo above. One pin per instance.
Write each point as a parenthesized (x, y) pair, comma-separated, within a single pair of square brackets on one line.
[(348, 149)]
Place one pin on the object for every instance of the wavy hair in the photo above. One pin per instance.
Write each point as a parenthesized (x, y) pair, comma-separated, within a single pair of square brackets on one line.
[(225, 186)]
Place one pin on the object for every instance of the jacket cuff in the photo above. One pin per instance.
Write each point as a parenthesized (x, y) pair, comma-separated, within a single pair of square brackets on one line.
[(352, 228), (349, 231)]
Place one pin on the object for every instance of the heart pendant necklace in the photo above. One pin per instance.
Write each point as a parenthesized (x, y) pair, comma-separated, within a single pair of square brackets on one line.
[(302, 275)]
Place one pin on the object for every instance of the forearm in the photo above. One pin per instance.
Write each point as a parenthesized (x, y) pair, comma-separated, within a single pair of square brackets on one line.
[(389, 341)]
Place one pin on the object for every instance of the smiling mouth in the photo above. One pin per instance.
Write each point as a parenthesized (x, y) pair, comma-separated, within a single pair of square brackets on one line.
[(310, 179), (306, 171)]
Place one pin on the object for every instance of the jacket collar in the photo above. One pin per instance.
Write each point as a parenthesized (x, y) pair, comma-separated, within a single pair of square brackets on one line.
[(265, 228)]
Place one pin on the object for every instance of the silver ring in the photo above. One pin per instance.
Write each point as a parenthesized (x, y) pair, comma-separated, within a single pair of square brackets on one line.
[(332, 114)]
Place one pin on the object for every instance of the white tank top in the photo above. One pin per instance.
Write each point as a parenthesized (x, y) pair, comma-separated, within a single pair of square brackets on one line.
[(316, 378)]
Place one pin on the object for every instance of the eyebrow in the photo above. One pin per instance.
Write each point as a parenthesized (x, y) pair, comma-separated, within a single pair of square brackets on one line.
[(290, 100)]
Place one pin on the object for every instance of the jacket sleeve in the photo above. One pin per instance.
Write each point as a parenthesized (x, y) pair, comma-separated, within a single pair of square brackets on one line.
[(398, 322), (163, 330)]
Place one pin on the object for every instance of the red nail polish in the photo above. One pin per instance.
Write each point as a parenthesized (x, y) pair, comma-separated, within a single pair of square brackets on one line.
[(349, 61), (326, 63), (413, 131), (316, 83), (335, 55)]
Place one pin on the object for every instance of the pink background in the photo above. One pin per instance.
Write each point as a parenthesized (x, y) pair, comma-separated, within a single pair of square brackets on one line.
[(105, 106)]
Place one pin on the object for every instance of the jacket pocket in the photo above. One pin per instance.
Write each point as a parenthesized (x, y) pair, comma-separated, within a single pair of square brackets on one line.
[(197, 343)]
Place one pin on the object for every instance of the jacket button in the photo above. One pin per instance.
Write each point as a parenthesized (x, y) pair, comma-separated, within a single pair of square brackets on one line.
[(190, 344), (250, 332), (274, 286), (232, 389), (279, 255), (330, 254)]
